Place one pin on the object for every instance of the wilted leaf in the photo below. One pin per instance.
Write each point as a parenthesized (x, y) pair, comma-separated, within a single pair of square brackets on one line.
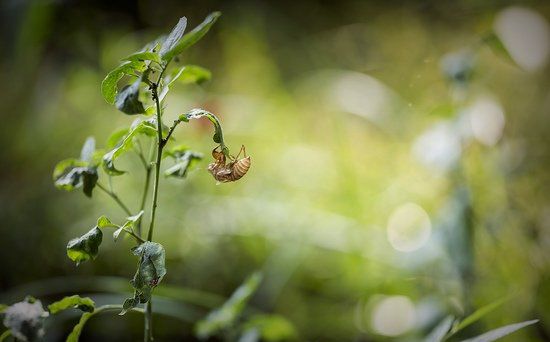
[(73, 302), (198, 113), (70, 174), (192, 37), (227, 314), (146, 127), (174, 37), (494, 335), (85, 247), (151, 270), (109, 85), (185, 159), (127, 100), (26, 319), (190, 74)]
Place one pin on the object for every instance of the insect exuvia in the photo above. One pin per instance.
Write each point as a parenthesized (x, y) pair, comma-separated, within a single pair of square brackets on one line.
[(229, 172)]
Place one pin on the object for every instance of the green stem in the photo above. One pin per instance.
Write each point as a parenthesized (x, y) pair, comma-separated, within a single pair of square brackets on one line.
[(137, 237), (115, 197), (148, 326), (144, 196)]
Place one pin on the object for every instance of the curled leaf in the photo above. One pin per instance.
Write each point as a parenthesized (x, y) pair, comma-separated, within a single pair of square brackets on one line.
[(151, 270), (109, 87), (127, 100), (198, 113), (72, 302), (85, 247)]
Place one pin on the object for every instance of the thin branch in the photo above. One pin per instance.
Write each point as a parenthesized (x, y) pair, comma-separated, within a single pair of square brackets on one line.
[(170, 131), (115, 197)]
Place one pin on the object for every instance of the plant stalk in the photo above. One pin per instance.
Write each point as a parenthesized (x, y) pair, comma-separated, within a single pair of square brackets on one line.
[(148, 326)]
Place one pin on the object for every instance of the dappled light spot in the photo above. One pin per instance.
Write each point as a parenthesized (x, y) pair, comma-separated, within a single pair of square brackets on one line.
[(362, 95), (409, 228), (438, 147), (486, 117), (393, 316), (526, 36)]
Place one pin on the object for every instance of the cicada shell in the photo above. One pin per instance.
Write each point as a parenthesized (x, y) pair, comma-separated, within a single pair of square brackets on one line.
[(229, 172)]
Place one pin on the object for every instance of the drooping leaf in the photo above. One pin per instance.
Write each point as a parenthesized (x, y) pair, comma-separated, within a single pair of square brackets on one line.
[(75, 333), (26, 319), (225, 316), (495, 334), (190, 74), (192, 37), (85, 247), (151, 270), (174, 37), (144, 56), (198, 113), (271, 327), (146, 127), (109, 85), (439, 332), (184, 159), (70, 174), (72, 302), (127, 100), (89, 180), (88, 150), (478, 314)]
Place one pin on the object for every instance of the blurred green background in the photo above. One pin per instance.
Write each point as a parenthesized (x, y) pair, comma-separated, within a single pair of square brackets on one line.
[(400, 155)]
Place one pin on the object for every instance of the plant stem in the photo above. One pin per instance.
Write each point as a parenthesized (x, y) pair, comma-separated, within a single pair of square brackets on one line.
[(148, 326), (148, 334), (144, 197), (115, 197)]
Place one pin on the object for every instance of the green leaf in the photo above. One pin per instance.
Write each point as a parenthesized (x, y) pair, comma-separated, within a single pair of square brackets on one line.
[(104, 222), (495, 334), (185, 159), (130, 223), (88, 149), (271, 327), (75, 333), (225, 316), (5, 335), (109, 85), (85, 247), (73, 302), (116, 138), (190, 74), (70, 174), (174, 37), (192, 37), (127, 101), (478, 314), (3, 308), (198, 113), (89, 180), (144, 56), (26, 319), (146, 127), (151, 270), (498, 48), (439, 332)]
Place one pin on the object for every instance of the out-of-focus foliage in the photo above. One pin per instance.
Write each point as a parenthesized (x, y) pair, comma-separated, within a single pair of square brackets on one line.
[(400, 164)]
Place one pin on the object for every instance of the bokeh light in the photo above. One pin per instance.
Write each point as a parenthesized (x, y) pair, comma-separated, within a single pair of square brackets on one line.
[(409, 227)]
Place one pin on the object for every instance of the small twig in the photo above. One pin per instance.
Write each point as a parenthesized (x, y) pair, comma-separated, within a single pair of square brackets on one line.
[(115, 197)]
